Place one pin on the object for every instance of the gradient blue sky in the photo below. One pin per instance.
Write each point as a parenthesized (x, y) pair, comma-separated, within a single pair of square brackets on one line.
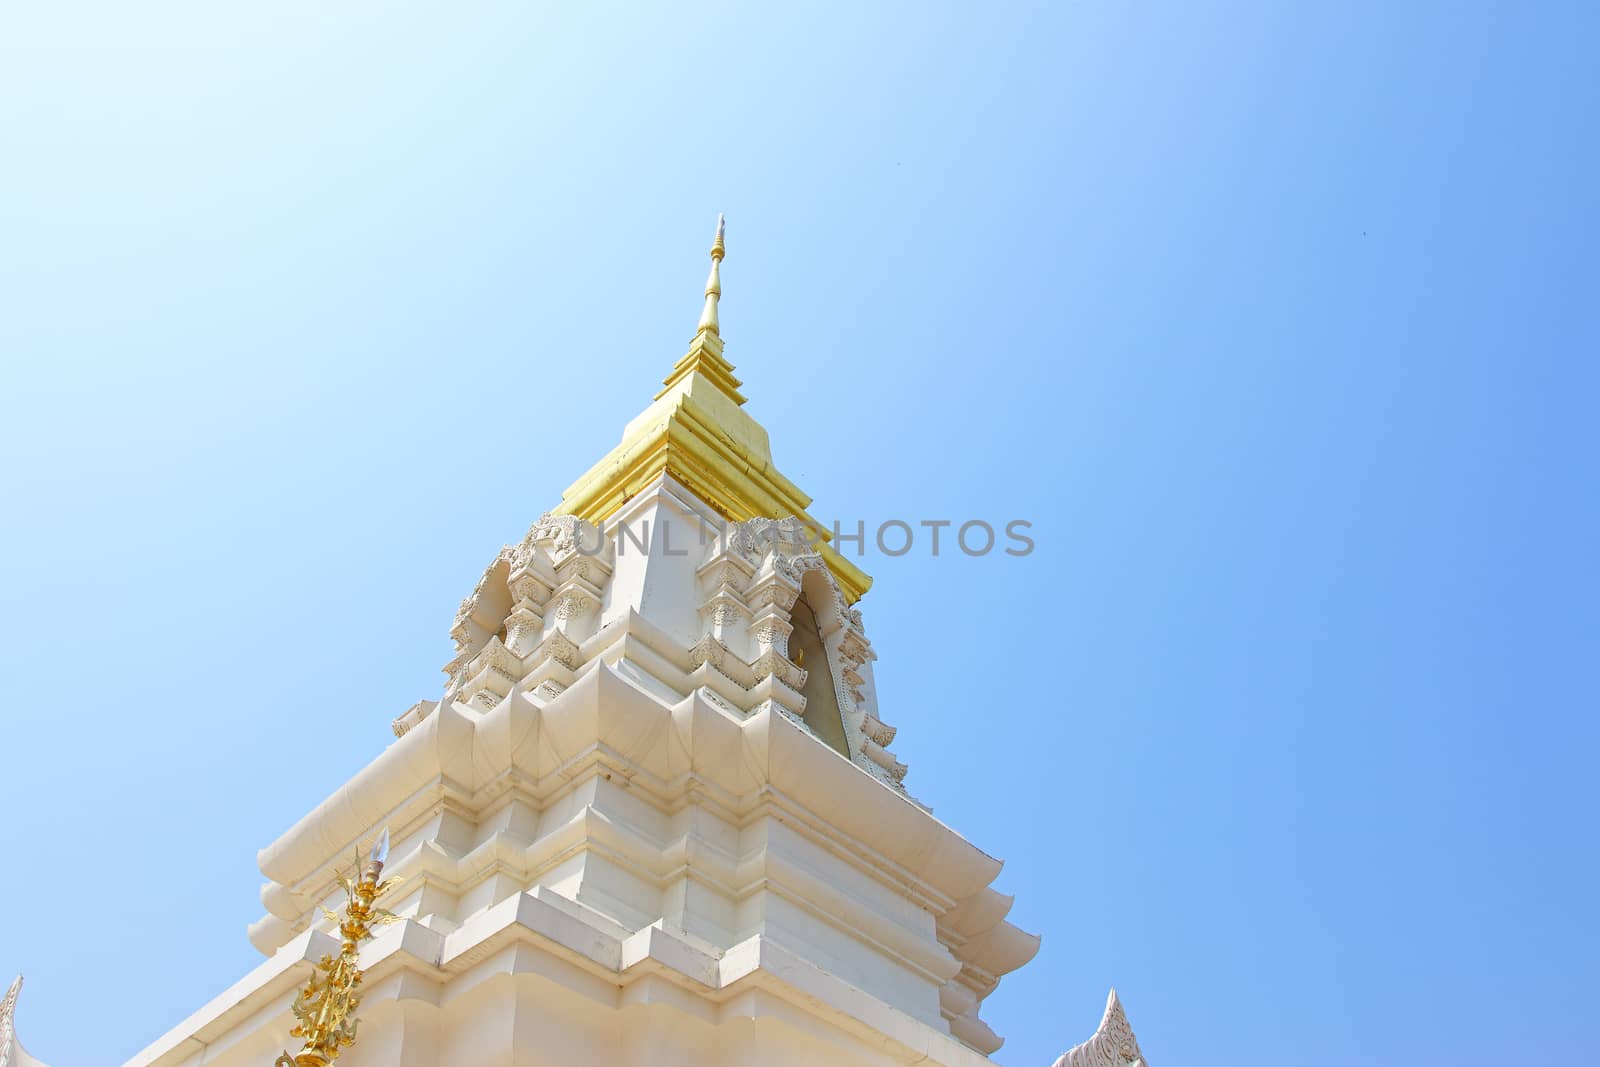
[(1276, 320)]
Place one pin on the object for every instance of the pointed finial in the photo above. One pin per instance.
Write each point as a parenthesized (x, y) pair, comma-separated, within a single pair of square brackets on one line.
[(380, 847), (379, 857), (9, 1045), (708, 316), (704, 358)]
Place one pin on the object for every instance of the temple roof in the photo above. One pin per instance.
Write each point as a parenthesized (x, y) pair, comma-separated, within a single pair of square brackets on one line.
[(697, 430)]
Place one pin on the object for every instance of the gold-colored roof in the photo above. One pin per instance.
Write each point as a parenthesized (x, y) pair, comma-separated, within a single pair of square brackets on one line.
[(697, 431)]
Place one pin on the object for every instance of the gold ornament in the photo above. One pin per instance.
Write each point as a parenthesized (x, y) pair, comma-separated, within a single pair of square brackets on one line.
[(326, 1007)]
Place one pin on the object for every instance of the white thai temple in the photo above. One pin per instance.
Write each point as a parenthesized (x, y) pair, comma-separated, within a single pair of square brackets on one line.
[(655, 818)]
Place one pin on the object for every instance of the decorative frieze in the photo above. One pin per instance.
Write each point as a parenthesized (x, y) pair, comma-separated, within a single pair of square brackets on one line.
[(412, 715), (558, 647), (523, 628), (552, 579), (540, 600), (708, 650), (573, 603), (877, 730), (762, 567), (490, 676)]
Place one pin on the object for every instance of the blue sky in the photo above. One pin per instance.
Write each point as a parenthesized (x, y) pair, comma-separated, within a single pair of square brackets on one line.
[(1276, 321)]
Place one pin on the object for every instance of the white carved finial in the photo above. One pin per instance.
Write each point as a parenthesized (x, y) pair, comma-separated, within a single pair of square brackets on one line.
[(1113, 1043), (8, 1011), (12, 1054)]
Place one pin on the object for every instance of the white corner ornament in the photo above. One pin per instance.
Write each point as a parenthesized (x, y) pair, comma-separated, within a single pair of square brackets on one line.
[(12, 1054), (1113, 1043)]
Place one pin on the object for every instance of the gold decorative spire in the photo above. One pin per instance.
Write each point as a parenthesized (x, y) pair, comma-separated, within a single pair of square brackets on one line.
[(325, 1010), (697, 433), (705, 351), (708, 317)]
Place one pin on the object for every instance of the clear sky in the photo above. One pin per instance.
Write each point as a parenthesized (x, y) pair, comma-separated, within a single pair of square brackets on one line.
[(1276, 320)]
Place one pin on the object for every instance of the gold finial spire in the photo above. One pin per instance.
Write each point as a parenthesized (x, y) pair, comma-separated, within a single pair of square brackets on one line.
[(325, 1010), (698, 433), (708, 316), (705, 351)]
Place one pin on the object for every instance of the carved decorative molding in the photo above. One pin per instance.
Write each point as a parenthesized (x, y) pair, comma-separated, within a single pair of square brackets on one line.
[(1113, 1043), (761, 567), (878, 730), (562, 559), (412, 715), (566, 534), (716, 701), (540, 600), (8, 1011), (573, 604), (708, 650), (559, 647), (12, 1054)]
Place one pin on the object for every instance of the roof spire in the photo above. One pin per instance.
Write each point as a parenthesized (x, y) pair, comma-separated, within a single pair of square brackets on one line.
[(708, 317), (704, 357)]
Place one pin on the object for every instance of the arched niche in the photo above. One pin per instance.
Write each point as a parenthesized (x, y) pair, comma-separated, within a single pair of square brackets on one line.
[(816, 618), (483, 614)]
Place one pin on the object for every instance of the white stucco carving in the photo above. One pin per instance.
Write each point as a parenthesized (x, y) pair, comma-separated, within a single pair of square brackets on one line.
[(626, 788), (615, 832), (12, 1054), (541, 599), (1113, 1043), (8, 1011), (618, 838)]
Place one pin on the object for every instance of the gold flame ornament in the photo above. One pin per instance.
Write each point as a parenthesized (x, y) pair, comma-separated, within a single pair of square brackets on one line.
[(326, 1007)]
